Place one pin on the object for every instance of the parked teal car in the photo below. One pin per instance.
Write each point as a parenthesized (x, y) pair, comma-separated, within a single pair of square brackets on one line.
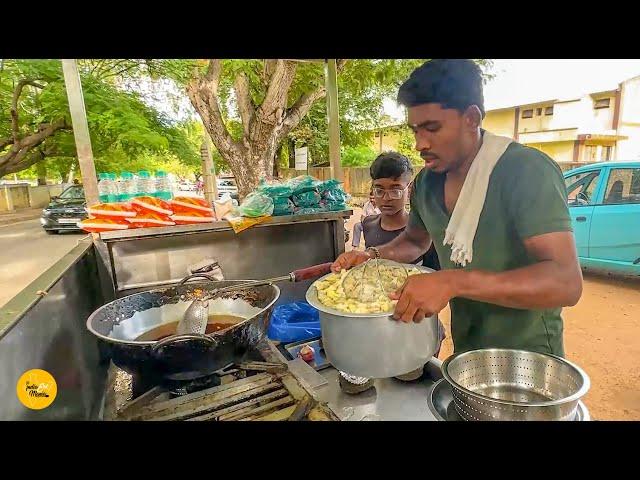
[(604, 203)]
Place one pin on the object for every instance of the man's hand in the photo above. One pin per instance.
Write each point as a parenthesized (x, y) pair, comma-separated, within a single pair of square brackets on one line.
[(423, 295), (349, 260)]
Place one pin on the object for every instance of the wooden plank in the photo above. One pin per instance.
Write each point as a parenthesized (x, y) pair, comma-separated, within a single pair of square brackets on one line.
[(248, 412), (283, 402), (188, 411), (346, 174), (301, 410), (269, 367), (318, 414), (196, 404), (295, 389), (276, 416), (257, 401), (259, 379)]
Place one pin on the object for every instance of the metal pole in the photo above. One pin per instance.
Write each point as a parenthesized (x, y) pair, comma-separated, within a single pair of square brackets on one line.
[(331, 82), (208, 171), (81, 130), (214, 174)]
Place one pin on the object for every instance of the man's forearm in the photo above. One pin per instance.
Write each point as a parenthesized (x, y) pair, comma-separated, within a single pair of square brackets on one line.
[(543, 285)]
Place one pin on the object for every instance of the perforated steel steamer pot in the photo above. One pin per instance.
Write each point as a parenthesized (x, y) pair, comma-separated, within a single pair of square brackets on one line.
[(505, 384)]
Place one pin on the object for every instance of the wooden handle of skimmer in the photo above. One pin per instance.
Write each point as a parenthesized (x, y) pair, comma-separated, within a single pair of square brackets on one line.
[(311, 272)]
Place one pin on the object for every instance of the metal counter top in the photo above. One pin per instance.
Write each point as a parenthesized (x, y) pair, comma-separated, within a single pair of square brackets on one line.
[(389, 400)]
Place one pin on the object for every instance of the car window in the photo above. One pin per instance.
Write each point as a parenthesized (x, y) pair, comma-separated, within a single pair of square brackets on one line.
[(623, 186), (581, 187), (73, 193)]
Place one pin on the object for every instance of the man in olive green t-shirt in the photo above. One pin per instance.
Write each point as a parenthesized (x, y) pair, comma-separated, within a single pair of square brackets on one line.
[(524, 267)]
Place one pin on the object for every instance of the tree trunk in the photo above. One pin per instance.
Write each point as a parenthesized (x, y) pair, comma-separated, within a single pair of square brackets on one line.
[(41, 169), (249, 169)]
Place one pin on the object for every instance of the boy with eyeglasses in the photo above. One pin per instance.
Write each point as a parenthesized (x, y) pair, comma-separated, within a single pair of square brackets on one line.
[(391, 174)]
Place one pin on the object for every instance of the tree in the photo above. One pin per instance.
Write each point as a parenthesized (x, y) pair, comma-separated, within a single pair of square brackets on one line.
[(273, 98), (121, 124), (24, 133), (363, 88), (360, 156)]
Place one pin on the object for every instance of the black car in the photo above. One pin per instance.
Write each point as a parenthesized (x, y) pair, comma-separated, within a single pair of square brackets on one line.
[(65, 211)]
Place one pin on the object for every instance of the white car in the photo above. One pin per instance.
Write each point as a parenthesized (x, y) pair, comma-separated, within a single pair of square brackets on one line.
[(185, 186), (227, 185)]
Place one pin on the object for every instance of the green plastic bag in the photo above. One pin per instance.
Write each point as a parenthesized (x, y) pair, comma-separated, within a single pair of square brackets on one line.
[(283, 206), (330, 184), (302, 184), (307, 199), (275, 189), (256, 204)]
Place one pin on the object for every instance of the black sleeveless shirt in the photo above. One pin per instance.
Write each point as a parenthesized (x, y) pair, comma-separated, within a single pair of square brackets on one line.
[(375, 235)]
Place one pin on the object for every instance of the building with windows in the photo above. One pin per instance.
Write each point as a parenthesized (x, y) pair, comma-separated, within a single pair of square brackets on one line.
[(599, 126)]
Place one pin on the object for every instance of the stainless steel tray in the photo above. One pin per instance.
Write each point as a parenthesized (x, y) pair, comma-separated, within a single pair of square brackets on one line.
[(319, 361)]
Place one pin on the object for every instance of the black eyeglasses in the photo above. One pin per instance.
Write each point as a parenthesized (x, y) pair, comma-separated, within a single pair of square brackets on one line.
[(394, 193)]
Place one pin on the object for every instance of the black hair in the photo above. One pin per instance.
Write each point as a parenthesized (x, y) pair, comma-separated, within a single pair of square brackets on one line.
[(390, 165), (453, 83)]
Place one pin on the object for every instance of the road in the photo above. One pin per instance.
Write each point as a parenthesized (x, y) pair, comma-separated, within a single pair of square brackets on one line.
[(25, 252)]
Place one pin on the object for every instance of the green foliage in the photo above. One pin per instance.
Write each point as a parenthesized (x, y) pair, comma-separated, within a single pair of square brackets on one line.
[(360, 156), (126, 131), (363, 86), (121, 124)]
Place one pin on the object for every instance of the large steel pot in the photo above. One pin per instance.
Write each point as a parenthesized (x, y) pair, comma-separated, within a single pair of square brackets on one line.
[(185, 357), (375, 345)]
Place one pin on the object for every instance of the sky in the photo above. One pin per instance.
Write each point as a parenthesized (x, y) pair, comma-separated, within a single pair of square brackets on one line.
[(518, 81)]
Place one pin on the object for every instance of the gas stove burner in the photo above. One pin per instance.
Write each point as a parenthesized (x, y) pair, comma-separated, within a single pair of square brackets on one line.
[(258, 386), (184, 387), (183, 384)]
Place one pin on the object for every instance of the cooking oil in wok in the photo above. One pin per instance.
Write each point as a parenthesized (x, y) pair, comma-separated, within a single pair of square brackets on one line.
[(215, 323)]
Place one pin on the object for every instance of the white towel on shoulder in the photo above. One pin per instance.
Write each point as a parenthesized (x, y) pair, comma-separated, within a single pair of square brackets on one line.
[(464, 221)]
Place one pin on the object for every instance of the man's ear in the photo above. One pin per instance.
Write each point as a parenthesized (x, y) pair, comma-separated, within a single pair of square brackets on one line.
[(472, 117)]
